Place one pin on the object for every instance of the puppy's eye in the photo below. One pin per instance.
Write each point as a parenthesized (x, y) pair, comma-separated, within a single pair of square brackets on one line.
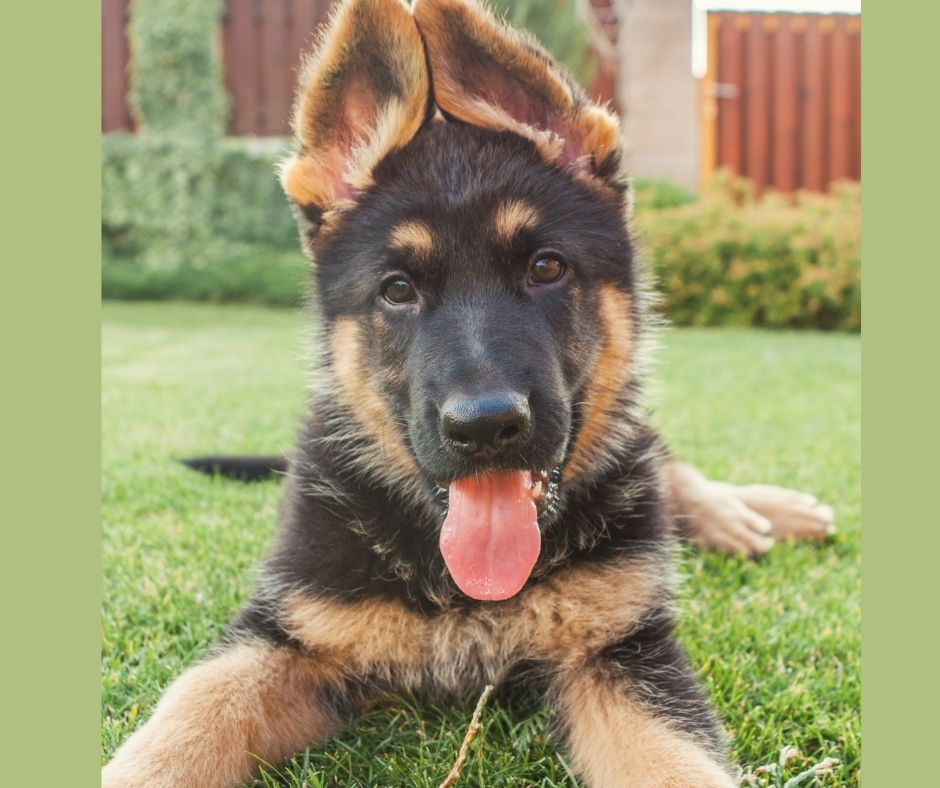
[(399, 290), (546, 270)]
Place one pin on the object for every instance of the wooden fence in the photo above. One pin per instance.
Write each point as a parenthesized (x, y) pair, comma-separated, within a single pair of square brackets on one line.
[(782, 98)]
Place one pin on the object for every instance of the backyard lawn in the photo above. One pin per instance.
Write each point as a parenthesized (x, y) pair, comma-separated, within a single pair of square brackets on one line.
[(777, 642)]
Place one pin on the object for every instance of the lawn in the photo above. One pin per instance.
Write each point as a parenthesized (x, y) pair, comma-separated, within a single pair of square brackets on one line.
[(777, 642)]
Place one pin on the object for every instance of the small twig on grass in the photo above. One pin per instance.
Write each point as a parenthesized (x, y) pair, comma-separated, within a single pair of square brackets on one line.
[(775, 770), (472, 730), (825, 767), (787, 754)]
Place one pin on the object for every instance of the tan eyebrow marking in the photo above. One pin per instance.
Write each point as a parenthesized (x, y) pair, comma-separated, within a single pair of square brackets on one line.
[(413, 236), (513, 216)]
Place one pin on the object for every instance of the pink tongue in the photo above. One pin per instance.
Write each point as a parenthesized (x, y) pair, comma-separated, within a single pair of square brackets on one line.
[(490, 539)]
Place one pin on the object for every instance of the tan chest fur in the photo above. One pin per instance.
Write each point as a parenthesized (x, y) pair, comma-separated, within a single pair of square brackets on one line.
[(562, 620)]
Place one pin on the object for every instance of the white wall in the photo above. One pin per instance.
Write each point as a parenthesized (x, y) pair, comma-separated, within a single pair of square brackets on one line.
[(659, 97)]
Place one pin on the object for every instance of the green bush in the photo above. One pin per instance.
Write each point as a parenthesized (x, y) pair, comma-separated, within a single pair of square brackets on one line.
[(656, 195), (782, 261), (220, 231), (171, 201), (176, 72), (253, 273)]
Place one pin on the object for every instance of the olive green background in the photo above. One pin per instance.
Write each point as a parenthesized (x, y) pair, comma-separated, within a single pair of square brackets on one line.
[(49, 368), (50, 438), (901, 442)]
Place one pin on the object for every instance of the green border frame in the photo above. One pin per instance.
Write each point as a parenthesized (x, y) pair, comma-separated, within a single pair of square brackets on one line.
[(901, 129), (50, 458), (50, 295)]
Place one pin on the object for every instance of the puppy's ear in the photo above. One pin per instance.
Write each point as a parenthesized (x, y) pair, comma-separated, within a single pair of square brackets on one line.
[(485, 73), (364, 92)]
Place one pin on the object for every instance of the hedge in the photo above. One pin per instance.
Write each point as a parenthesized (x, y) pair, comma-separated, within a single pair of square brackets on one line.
[(217, 230), (176, 69), (784, 261), (168, 202), (255, 273)]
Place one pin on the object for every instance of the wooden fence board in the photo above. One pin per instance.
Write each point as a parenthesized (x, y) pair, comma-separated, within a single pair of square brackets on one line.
[(756, 104), (708, 142), (814, 108), (855, 70), (728, 92), (276, 60), (840, 101), (240, 61), (115, 60), (786, 97)]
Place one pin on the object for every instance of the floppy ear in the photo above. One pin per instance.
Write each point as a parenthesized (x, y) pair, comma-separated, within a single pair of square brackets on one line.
[(364, 92), (485, 73)]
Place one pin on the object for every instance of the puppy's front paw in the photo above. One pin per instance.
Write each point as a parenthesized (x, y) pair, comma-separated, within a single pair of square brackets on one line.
[(793, 515), (718, 520)]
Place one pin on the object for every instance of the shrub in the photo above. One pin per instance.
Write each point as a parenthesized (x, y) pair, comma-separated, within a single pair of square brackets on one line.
[(782, 261), (174, 201), (176, 72), (253, 273), (656, 195), (219, 231)]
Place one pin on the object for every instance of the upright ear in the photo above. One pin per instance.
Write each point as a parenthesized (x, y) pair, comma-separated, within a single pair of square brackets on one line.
[(364, 92), (486, 73)]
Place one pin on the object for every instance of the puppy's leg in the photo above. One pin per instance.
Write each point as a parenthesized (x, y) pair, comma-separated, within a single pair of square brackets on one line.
[(253, 702), (729, 518), (633, 715)]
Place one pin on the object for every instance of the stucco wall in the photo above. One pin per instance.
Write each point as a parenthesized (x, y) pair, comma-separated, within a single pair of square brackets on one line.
[(659, 97)]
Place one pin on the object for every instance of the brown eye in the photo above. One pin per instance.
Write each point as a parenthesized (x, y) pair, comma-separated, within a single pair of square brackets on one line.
[(399, 291), (546, 270)]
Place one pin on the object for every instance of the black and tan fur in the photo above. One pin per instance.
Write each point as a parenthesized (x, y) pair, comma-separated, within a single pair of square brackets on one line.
[(442, 143)]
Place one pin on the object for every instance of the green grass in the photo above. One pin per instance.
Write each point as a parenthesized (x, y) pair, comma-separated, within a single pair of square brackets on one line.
[(777, 642)]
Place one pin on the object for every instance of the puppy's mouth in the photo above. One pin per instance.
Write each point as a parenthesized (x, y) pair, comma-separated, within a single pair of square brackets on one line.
[(490, 539)]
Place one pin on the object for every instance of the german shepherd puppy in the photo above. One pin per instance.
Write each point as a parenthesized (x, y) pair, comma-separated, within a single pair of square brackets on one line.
[(476, 496)]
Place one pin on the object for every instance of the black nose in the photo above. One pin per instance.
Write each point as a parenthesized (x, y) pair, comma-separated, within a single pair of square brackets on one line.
[(485, 426)]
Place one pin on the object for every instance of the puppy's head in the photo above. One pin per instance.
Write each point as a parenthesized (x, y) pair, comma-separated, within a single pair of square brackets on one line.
[(463, 203)]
